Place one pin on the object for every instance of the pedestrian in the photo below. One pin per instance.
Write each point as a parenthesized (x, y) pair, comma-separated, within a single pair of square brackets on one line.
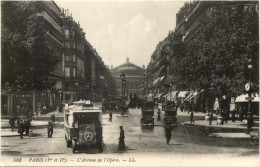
[(122, 139), (12, 123), (233, 113), (241, 115), (50, 129), (21, 128), (53, 118), (27, 125), (225, 116), (191, 117), (159, 115), (210, 117), (60, 108), (168, 132), (181, 107), (110, 117)]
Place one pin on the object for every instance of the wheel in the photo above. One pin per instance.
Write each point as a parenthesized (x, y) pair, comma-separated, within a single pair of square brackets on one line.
[(101, 147), (74, 146), (253, 140)]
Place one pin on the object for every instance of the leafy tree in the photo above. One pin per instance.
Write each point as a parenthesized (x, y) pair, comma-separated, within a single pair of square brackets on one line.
[(217, 57), (27, 58)]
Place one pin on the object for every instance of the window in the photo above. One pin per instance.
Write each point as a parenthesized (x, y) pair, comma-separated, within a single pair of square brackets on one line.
[(67, 58), (67, 45), (74, 72), (67, 33), (67, 71), (74, 58)]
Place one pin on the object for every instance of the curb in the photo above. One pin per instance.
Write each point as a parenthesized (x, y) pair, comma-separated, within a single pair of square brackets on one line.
[(229, 137), (218, 127)]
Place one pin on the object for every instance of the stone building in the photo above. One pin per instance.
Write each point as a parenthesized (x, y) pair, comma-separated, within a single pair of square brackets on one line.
[(74, 83), (133, 76)]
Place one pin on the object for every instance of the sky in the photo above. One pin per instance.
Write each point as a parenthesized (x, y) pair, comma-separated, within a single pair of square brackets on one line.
[(121, 29)]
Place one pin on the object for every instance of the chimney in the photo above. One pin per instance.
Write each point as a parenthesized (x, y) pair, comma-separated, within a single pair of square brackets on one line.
[(111, 66), (127, 59)]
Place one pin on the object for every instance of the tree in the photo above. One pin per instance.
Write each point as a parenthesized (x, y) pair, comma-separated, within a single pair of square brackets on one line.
[(27, 58), (217, 56)]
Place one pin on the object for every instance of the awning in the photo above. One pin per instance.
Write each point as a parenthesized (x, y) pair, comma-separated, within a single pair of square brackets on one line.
[(189, 96), (158, 95), (242, 98), (155, 81), (193, 94), (172, 95), (182, 94), (161, 78)]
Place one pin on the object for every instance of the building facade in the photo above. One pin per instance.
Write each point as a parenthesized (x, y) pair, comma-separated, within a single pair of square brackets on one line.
[(80, 72), (74, 58), (133, 76)]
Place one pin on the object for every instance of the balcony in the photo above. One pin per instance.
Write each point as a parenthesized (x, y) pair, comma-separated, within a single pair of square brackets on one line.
[(78, 79), (70, 64)]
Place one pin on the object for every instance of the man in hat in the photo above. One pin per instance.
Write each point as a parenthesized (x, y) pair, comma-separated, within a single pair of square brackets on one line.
[(50, 129), (122, 139)]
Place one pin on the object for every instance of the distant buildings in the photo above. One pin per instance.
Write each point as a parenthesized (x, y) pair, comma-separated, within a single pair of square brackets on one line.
[(159, 77), (133, 76)]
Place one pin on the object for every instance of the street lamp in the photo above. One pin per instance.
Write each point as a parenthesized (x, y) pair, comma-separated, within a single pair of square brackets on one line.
[(248, 88), (124, 83), (122, 76), (170, 90)]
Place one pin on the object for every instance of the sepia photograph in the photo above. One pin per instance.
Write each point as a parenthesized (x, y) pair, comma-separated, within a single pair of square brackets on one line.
[(130, 83)]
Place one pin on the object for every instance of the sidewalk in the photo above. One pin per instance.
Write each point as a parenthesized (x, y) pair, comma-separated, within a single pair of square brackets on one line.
[(5, 123), (230, 135), (229, 125)]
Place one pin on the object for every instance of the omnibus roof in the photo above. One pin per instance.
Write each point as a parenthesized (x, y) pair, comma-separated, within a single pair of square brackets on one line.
[(88, 110)]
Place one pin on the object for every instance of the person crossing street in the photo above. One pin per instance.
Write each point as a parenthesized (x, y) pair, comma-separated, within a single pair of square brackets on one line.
[(50, 129), (191, 117), (122, 139), (12, 123), (168, 132), (110, 117)]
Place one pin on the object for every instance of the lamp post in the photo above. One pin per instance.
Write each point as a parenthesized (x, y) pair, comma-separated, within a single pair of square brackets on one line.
[(122, 76), (248, 88), (124, 83), (170, 90)]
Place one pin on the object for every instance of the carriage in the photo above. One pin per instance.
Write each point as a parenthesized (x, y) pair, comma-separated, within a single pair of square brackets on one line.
[(147, 113), (170, 116)]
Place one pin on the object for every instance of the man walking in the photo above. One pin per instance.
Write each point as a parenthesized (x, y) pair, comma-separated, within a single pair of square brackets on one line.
[(122, 139), (21, 128), (50, 129), (168, 133), (12, 123), (27, 126), (53, 118), (159, 115), (191, 117), (110, 117)]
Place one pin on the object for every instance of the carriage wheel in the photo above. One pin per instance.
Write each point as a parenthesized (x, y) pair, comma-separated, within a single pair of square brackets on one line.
[(253, 140)]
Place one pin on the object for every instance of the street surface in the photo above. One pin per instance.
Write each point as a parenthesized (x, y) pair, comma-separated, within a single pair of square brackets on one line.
[(147, 140)]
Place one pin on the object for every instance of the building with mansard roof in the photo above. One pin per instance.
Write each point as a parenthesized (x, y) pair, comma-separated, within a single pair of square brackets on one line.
[(133, 76)]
